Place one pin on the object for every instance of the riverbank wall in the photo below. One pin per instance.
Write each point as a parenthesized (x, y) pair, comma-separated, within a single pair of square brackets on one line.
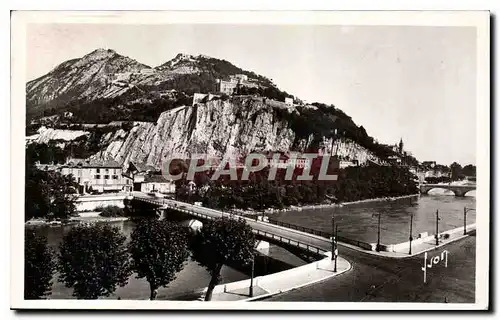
[(405, 246), (332, 205), (90, 203)]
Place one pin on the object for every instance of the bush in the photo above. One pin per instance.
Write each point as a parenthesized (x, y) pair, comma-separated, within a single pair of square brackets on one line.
[(111, 211)]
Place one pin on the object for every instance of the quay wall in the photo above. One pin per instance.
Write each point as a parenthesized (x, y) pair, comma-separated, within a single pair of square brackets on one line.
[(406, 245), (89, 203)]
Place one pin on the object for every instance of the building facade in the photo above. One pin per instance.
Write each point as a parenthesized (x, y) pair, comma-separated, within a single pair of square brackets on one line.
[(157, 183), (100, 176)]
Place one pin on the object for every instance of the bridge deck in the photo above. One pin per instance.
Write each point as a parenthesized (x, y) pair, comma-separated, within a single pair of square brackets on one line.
[(309, 242)]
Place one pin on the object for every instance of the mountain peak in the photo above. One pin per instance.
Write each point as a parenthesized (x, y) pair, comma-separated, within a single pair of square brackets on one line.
[(100, 53)]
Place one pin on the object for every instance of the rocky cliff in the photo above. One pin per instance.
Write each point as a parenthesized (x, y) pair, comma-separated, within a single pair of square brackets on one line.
[(217, 128)]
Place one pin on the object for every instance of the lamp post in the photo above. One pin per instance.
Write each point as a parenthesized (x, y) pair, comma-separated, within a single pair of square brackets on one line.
[(378, 231), (411, 228), (333, 233), (437, 227), (335, 253), (411, 231), (250, 290), (465, 218)]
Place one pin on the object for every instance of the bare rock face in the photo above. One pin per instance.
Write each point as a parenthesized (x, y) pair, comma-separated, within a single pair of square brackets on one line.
[(45, 135), (349, 150), (217, 128)]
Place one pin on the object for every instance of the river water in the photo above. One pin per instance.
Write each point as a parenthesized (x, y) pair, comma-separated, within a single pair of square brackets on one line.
[(360, 221)]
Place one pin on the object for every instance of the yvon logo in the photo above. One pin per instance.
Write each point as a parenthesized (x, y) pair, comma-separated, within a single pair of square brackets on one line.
[(434, 261)]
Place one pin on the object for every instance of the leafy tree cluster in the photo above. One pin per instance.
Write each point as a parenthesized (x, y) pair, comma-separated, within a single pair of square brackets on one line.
[(271, 92), (111, 211), (39, 266), (221, 242), (49, 194), (469, 170), (158, 250), (353, 184), (146, 106), (459, 173), (331, 122), (437, 179), (94, 259), (359, 183), (45, 153)]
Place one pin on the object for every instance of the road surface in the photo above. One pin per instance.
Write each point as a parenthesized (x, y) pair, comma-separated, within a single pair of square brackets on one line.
[(381, 279)]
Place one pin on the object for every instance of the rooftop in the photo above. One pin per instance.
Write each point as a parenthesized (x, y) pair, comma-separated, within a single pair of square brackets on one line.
[(87, 163)]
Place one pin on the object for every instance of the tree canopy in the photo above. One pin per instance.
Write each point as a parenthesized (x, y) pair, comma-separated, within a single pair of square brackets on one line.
[(158, 249), (93, 260), (221, 242), (39, 266)]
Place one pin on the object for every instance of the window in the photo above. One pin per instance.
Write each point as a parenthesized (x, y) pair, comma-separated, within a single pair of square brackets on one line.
[(106, 176), (115, 177), (97, 176), (107, 170), (98, 170)]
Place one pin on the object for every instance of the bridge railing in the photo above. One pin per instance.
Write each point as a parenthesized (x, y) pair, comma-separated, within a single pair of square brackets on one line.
[(282, 239), (289, 241), (300, 228), (323, 234)]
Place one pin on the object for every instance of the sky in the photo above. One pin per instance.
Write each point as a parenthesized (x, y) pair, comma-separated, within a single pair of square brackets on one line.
[(411, 82)]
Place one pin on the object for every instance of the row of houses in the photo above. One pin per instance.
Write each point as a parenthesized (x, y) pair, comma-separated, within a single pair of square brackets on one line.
[(109, 176)]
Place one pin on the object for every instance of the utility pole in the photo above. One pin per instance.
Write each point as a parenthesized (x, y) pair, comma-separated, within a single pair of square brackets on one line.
[(465, 220), (333, 233), (378, 233), (437, 227), (250, 293), (336, 248), (411, 231)]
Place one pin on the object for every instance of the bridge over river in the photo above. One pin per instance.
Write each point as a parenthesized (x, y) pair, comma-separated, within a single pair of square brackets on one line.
[(285, 237), (458, 190)]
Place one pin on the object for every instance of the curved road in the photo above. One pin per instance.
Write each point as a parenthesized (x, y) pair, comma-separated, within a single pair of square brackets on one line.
[(381, 279), (376, 278)]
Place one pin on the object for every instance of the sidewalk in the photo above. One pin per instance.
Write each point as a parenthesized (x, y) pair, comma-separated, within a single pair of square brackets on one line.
[(401, 250), (276, 283)]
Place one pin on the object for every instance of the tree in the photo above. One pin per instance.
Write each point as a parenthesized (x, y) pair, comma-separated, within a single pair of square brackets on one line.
[(456, 171), (49, 194), (221, 242), (158, 249), (469, 170), (93, 260), (39, 266)]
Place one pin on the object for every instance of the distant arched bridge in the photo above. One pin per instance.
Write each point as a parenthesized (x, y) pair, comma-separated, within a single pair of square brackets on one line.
[(458, 190)]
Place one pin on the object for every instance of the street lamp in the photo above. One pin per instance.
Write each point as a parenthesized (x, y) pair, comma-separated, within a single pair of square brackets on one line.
[(333, 233), (437, 227), (378, 231), (465, 218), (411, 231), (411, 228), (250, 290), (335, 252)]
